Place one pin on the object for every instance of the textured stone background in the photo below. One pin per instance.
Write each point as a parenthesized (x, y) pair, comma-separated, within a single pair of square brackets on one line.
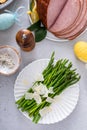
[(10, 117)]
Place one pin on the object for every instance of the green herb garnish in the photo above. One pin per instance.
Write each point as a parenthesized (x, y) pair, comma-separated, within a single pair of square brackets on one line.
[(40, 31), (40, 34), (35, 26)]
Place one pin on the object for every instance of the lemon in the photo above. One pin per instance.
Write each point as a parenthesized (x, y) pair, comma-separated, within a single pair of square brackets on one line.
[(34, 14), (80, 50)]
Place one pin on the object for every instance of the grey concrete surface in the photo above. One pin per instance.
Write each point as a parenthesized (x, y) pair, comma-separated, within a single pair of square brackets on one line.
[(10, 117)]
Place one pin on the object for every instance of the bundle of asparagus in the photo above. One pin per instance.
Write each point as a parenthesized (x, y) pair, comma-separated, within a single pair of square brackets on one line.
[(59, 76)]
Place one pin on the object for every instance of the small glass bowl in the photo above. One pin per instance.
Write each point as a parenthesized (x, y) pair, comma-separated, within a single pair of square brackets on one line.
[(16, 59)]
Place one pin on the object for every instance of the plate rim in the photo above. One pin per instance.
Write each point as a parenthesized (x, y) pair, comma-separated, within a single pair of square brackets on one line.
[(2, 6)]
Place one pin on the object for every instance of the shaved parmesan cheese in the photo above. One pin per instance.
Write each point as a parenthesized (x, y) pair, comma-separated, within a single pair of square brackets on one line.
[(46, 94), (53, 100), (51, 90), (56, 98), (28, 95), (34, 96), (37, 98), (50, 100), (40, 89), (45, 111)]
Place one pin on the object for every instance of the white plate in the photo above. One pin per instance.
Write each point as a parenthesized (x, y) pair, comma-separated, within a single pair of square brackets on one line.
[(66, 101), (49, 36), (6, 4), (15, 57)]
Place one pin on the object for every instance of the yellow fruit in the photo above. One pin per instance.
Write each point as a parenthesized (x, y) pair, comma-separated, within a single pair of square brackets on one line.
[(80, 50)]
